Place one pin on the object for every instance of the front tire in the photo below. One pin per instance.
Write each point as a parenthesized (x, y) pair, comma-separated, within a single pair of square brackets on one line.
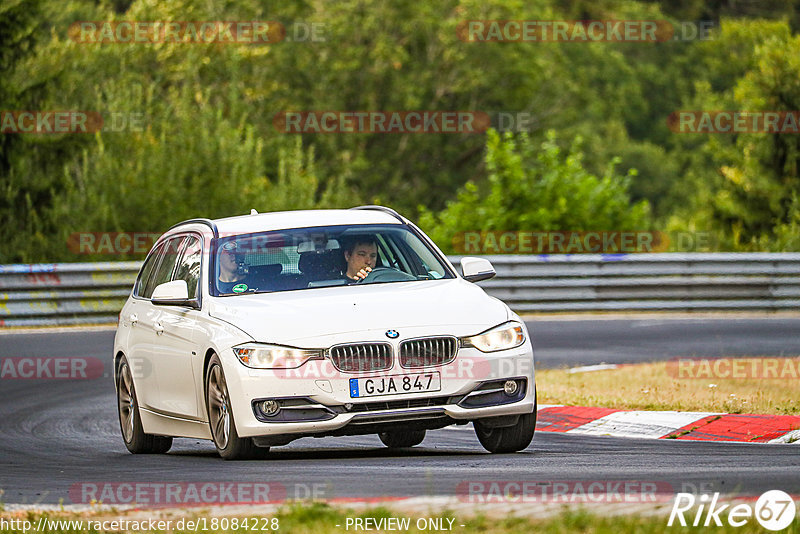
[(401, 439), (130, 424), (508, 439), (220, 418)]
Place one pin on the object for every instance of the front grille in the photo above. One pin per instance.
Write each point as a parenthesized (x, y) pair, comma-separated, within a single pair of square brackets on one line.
[(427, 352), (360, 357)]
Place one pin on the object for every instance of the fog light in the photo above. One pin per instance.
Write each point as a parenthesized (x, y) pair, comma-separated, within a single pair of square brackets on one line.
[(270, 407), (510, 387)]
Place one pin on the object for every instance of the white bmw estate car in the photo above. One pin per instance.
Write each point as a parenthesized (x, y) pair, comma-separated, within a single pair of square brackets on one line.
[(257, 330)]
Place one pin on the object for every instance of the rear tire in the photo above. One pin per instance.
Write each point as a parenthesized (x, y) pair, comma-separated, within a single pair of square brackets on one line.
[(401, 439), (508, 439), (220, 418), (130, 423)]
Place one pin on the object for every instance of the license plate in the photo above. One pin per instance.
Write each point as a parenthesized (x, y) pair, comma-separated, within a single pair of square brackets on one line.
[(393, 385)]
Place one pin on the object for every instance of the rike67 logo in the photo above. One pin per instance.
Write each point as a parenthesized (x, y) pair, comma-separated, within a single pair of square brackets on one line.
[(774, 510)]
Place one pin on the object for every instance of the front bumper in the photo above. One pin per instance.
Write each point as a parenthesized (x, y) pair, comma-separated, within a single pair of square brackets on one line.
[(320, 395)]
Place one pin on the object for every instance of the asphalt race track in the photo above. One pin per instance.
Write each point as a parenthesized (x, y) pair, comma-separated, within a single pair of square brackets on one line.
[(59, 434)]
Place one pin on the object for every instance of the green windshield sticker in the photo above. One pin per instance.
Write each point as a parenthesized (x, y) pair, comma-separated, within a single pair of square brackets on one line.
[(240, 288)]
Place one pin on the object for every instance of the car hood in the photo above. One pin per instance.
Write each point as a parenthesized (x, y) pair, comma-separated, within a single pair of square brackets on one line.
[(321, 316)]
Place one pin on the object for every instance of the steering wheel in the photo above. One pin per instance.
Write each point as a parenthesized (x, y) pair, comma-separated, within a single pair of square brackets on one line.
[(387, 274)]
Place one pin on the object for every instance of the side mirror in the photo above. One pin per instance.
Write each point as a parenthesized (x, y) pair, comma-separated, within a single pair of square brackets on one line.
[(476, 269), (175, 293)]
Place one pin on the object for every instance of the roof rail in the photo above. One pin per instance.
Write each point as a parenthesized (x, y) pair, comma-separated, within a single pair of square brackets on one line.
[(384, 209), (207, 222)]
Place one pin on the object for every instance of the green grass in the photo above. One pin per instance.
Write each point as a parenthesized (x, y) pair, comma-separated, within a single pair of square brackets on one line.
[(655, 386)]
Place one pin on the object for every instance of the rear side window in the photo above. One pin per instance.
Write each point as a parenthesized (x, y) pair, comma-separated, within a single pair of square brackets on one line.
[(147, 271), (189, 265), (168, 257)]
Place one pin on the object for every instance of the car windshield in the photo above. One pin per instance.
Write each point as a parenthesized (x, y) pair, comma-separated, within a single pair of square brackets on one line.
[(305, 258)]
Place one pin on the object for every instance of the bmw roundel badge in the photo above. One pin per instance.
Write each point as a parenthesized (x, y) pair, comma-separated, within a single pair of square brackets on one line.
[(392, 334)]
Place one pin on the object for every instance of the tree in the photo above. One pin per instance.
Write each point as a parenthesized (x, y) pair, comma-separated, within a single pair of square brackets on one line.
[(17, 38), (538, 188), (744, 185)]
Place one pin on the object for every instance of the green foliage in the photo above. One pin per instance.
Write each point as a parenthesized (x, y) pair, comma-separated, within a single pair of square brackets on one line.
[(17, 40), (538, 188), (207, 144), (209, 168), (744, 185)]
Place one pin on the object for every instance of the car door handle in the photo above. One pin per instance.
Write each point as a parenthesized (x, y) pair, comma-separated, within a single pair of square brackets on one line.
[(159, 328), (133, 318)]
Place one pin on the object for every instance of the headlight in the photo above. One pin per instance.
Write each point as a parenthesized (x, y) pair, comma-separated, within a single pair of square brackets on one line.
[(262, 356), (503, 337)]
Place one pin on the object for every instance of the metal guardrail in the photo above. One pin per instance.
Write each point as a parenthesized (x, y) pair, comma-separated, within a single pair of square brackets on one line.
[(630, 282), (64, 293), (68, 293)]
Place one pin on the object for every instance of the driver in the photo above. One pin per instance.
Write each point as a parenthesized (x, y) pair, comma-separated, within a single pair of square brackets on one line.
[(360, 256), (232, 269)]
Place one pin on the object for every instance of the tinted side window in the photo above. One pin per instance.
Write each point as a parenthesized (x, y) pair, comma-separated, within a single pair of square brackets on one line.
[(163, 273), (189, 265), (146, 271)]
